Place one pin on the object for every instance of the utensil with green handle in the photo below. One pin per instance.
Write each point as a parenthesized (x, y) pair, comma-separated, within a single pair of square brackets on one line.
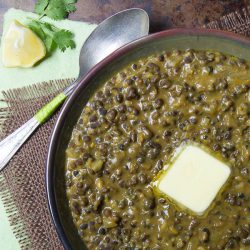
[(111, 34)]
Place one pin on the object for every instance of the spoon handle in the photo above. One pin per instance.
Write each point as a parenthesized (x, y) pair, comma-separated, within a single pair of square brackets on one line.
[(10, 145)]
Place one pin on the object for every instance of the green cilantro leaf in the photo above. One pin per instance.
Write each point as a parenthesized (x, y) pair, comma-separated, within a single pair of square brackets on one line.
[(40, 6), (64, 40), (55, 9), (36, 27), (70, 1), (70, 8), (52, 36)]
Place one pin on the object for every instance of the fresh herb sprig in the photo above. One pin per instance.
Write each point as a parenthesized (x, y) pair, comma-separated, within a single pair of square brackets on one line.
[(55, 9), (52, 36)]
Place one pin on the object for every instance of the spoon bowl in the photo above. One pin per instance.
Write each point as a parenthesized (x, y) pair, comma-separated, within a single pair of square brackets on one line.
[(111, 34)]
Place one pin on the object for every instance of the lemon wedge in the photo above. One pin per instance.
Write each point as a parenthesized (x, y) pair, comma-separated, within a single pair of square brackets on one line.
[(21, 47)]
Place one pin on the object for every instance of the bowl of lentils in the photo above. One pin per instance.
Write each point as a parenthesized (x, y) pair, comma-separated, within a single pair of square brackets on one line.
[(123, 123)]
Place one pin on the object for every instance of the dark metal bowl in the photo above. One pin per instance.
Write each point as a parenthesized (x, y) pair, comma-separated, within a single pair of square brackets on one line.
[(202, 39)]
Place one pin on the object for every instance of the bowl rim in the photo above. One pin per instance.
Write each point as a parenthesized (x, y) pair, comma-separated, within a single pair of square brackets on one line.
[(84, 82)]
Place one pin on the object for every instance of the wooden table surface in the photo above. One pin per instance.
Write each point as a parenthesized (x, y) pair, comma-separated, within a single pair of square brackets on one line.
[(164, 14)]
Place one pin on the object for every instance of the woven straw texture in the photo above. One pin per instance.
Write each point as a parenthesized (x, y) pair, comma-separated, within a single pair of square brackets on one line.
[(22, 184)]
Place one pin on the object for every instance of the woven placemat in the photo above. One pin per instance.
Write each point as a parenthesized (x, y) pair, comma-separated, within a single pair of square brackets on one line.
[(22, 184)]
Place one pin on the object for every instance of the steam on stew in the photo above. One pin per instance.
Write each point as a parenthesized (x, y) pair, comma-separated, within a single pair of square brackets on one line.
[(129, 129)]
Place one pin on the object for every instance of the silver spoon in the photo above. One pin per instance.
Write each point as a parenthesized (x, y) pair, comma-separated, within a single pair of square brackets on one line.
[(111, 34)]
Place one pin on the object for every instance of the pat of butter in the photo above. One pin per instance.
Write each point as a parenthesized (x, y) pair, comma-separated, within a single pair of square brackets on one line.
[(194, 179)]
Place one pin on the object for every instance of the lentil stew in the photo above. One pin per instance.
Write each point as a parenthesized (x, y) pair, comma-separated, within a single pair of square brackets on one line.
[(131, 126)]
